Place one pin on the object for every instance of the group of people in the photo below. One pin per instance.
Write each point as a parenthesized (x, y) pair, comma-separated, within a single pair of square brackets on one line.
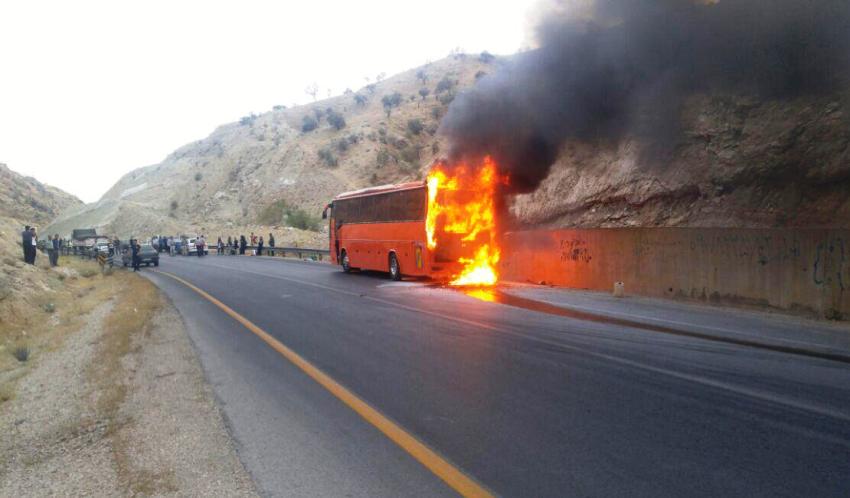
[(238, 245), (29, 244)]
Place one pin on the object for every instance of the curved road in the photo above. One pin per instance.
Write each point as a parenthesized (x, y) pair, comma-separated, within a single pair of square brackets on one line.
[(523, 402)]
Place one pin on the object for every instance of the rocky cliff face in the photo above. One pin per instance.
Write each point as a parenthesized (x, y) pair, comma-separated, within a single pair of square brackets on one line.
[(738, 162)]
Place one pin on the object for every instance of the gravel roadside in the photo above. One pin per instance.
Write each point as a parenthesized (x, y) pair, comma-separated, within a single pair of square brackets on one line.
[(165, 436)]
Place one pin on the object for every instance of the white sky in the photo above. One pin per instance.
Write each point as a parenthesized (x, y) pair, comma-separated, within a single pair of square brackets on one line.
[(90, 90)]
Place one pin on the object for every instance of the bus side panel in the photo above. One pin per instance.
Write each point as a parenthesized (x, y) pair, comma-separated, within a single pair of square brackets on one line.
[(369, 245)]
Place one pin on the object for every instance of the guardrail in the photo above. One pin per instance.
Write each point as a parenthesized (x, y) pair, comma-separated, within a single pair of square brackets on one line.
[(299, 252)]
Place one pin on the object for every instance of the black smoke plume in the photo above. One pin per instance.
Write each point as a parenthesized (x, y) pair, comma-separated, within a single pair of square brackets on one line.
[(624, 70)]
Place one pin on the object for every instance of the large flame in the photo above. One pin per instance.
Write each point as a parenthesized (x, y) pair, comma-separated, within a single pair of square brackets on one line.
[(461, 201)]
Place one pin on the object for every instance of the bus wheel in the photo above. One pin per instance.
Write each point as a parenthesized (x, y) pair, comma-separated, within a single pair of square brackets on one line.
[(395, 271), (346, 264)]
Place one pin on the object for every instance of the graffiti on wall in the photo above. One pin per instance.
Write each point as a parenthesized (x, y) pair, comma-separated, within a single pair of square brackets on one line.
[(575, 250)]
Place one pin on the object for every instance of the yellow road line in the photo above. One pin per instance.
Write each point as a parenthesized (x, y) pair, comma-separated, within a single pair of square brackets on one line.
[(452, 476)]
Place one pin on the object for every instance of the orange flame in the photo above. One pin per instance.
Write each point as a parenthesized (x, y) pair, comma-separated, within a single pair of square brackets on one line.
[(461, 202)]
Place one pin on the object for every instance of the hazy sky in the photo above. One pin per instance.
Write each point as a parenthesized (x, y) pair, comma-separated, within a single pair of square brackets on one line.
[(91, 90)]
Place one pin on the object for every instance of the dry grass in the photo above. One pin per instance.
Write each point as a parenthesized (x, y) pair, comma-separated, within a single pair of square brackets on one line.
[(130, 317), (42, 320)]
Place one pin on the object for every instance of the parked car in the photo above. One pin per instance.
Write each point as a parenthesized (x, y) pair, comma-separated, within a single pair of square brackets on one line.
[(189, 247), (147, 256)]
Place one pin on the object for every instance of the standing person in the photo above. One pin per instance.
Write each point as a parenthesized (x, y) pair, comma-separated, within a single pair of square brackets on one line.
[(135, 248), (242, 244), (199, 246), (57, 248), (254, 242), (271, 244), (259, 247), (229, 245), (33, 245), (26, 243), (49, 248), (220, 247)]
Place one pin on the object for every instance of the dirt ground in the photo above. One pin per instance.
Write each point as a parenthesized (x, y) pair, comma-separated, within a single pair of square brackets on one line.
[(117, 406)]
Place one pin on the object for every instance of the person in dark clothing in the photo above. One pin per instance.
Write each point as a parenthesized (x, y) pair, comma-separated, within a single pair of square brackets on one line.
[(33, 245), (259, 247), (135, 248), (242, 245), (26, 243), (271, 244), (53, 246)]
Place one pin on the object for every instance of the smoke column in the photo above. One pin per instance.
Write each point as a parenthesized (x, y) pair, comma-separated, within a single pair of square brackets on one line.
[(624, 70)]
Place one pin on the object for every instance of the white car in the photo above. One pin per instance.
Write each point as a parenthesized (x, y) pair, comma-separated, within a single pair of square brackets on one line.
[(191, 248)]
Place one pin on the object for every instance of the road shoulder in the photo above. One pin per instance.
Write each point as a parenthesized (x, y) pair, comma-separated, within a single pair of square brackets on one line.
[(121, 408)]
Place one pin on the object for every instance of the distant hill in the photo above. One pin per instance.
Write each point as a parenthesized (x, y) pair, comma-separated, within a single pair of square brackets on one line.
[(30, 201), (246, 176)]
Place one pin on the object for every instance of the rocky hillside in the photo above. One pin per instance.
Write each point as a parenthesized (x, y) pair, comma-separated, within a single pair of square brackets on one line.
[(738, 162), (24, 201), (278, 169), (30, 201)]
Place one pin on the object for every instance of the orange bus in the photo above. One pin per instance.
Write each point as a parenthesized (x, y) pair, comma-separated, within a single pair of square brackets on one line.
[(383, 229)]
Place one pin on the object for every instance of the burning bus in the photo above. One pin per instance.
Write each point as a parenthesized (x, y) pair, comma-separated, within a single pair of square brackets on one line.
[(444, 227)]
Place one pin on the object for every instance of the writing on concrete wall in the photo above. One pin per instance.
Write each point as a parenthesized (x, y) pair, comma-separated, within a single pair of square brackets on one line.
[(575, 250)]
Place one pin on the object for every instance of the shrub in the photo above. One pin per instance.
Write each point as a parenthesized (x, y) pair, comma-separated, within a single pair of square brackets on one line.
[(353, 139), (486, 57), (436, 112), (410, 154), (415, 126), (447, 98), (371, 88), (391, 101), (174, 205), (308, 123), (479, 75), (273, 213), (300, 218), (424, 92), (342, 145), (422, 76), (373, 180), (435, 147), (198, 176), (21, 353), (360, 99), (336, 120), (279, 108), (328, 157), (318, 113), (383, 157), (248, 120), (444, 85)]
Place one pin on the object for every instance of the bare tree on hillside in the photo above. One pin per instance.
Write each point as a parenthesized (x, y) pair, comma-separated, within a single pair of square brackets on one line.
[(312, 90)]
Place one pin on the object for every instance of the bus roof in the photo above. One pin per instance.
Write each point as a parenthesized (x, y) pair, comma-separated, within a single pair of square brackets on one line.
[(381, 189)]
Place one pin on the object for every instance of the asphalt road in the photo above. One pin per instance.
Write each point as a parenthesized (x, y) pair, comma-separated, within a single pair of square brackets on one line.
[(526, 403)]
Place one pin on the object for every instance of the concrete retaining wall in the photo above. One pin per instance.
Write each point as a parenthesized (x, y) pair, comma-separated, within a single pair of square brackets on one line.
[(793, 269)]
